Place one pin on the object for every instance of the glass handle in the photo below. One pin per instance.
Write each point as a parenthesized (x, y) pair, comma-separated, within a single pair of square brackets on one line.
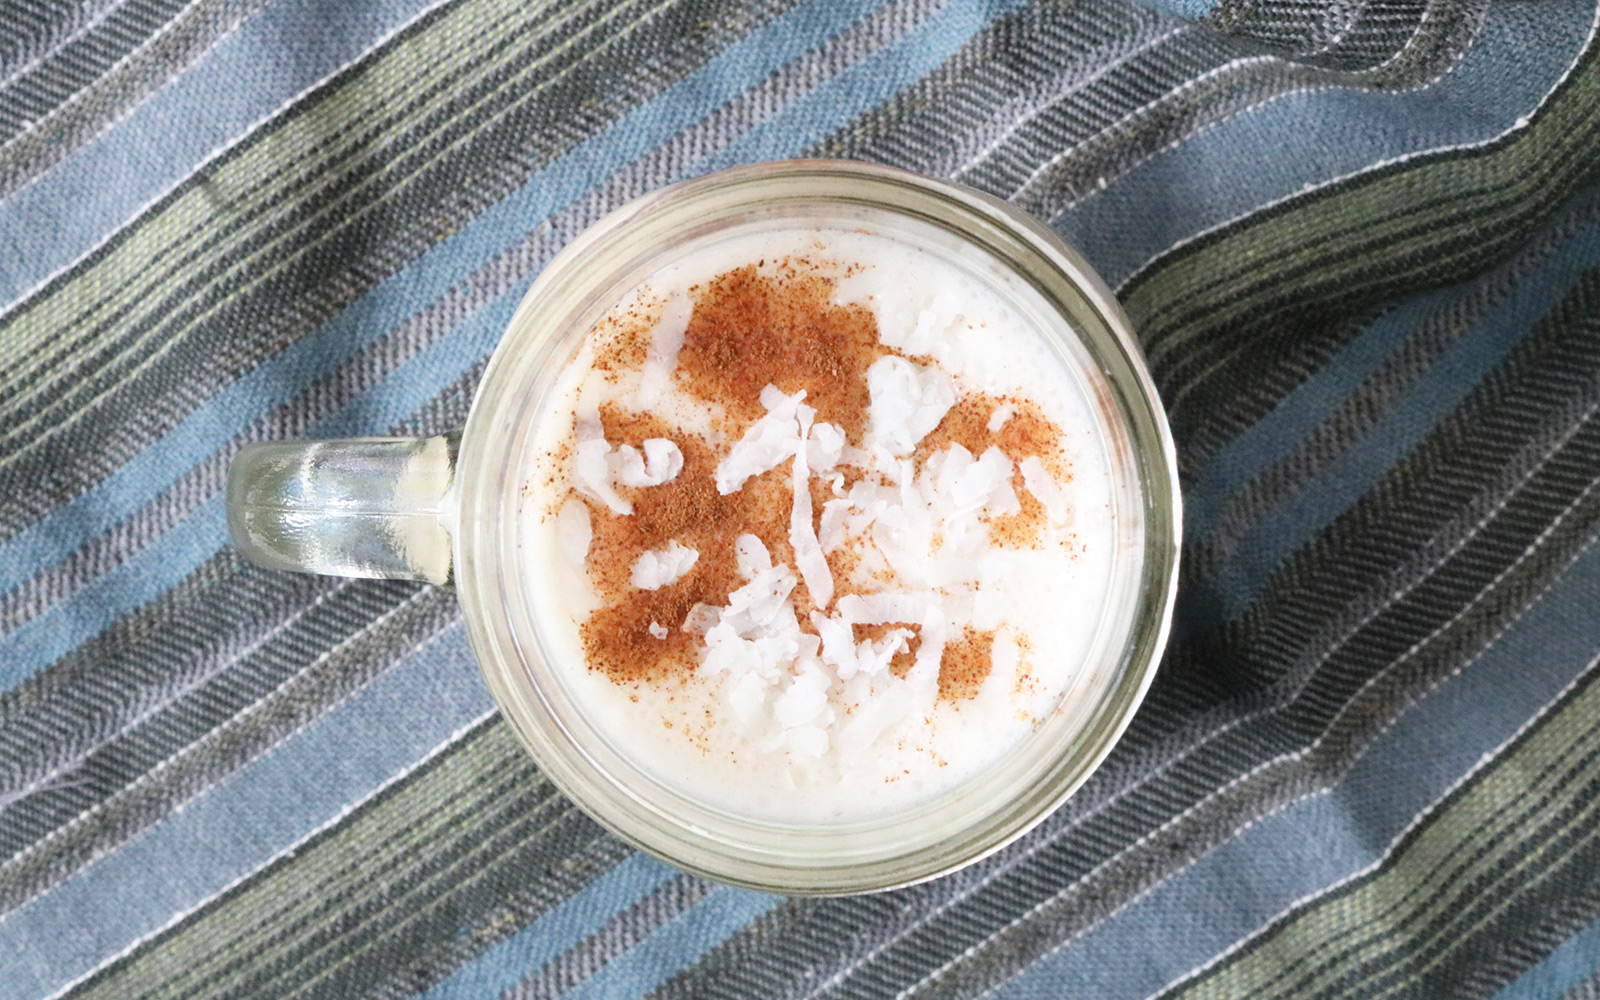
[(366, 507)]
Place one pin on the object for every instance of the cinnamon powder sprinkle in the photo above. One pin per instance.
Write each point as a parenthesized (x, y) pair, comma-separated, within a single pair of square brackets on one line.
[(903, 661), (965, 665), (689, 509), (1027, 433), (624, 338), (752, 327)]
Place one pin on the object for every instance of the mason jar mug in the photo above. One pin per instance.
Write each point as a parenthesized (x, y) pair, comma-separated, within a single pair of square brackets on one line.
[(446, 510)]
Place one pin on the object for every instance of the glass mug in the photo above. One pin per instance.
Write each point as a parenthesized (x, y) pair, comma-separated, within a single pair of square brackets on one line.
[(445, 510)]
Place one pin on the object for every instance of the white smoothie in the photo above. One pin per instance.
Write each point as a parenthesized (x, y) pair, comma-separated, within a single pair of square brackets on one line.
[(820, 526)]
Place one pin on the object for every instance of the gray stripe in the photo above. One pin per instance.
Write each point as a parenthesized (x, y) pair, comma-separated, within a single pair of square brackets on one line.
[(1589, 989), (33, 93), (617, 937), (31, 29), (95, 105), (963, 113)]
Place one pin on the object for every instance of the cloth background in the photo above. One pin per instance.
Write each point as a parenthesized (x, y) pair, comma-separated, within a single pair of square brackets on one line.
[(1360, 240)]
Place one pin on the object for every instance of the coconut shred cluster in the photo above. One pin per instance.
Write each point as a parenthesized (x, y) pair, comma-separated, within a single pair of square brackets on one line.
[(829, 571)]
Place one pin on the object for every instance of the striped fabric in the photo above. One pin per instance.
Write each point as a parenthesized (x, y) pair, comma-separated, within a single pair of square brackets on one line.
[(1360, 241)]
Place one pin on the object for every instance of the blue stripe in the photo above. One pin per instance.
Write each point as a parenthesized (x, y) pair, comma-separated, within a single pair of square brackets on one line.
[(866, 85), (403, 295), (234, 828), (79, 202), (559, 929), (1183, 8), (1282, 432), (676, 945), (1316, 842), (1571, 964), (1309, 137), (1239, 580)]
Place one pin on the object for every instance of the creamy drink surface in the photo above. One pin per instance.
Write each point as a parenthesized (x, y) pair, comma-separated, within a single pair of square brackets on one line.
[(819, 527)]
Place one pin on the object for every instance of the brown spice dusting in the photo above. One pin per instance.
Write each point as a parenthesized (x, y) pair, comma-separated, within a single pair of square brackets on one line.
[(821, 493), (690, 510), (1025, 679), (965, 665), (1022, 529), (1027, 433), (842, 563), (902, 661), (750, 329), (623, 339)]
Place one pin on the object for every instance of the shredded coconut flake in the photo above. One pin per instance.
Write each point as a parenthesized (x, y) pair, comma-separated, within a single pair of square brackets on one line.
[(808, 557), (809, 741), (663, 567), (666, 340), (759, 603), (766, 444), (838, 644), (832, 532), (974, 484), (825, 447), (660, 463), (1039, 482), (593, 472), (751, 555), (886, 607), (907, 401), (598, 469), (873, 658), (701, 619), (575, 531), (803, 701), (748, 698)]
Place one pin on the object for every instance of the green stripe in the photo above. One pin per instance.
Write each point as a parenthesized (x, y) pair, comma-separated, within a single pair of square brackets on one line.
[(1400, 229), (1497, 837), (405, 859)]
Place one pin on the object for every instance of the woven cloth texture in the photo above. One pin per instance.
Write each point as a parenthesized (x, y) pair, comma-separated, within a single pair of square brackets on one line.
[(1360, 242)]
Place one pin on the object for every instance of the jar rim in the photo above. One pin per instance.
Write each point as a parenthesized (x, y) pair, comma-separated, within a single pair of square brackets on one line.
[(495, 435)]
